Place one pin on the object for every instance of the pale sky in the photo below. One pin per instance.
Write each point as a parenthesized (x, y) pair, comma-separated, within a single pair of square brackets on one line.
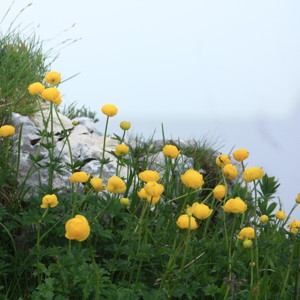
[(226, 69)]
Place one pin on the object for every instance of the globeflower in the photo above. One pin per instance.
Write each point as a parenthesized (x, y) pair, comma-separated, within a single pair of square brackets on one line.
[(149, 175), (7, 130), (116, 185), (219, 192), (230, 171), (254, 173), (294, 226), (50, 94), (77, 228), (186, 222), (154, 189), (240, 154), (79, 177), (57, 101), (247, 233), (121, 149), (97, 184), (109, 109), (125, 201), (49, 200), (52, 78), (235, 205), (201, 211), (298, 198), (280, 215), (222, 160), (247, 244), (170, 151), (36, 88), (192, 179), (264, 219), (125, 125)]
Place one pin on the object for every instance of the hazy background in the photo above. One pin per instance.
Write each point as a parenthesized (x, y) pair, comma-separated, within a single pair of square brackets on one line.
[(224, 70)]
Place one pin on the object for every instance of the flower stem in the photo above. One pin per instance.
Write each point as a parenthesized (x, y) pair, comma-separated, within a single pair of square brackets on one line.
[(104, 144)]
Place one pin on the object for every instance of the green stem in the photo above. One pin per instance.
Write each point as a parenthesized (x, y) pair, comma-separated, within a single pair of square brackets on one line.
[(104, 144), (96, 272)]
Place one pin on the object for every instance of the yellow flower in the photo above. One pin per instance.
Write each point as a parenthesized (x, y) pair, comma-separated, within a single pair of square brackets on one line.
[(121, 149), (57, 101), (170, 151), (116, 185), (36, 88), (298, 198), (192, 179), (125, 125), (109, 109), (294, 226), (142, 193), (154, 189), (149, 175), (97, 184), (124, 201), (280, 215), (235, 205), (247, 244), (52, 78), (219, 192), (264, 219), (79, 177), (51, 94), (240, 154), (77, 228), (254, 173), (186, 221), (247, 233), (201, 211), (230, 171), (7, 130), (222, 160), (49, 200)]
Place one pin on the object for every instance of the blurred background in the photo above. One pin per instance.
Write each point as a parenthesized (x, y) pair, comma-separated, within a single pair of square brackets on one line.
[(227, 71)]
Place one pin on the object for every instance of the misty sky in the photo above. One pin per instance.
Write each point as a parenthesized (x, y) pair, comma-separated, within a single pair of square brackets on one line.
[(226, 70)]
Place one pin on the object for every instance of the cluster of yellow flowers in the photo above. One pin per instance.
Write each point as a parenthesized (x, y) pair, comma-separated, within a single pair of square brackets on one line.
[(7, 130), (50, 94)]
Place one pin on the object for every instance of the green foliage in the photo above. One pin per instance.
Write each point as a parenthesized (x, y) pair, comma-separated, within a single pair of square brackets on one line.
[(72, 112)]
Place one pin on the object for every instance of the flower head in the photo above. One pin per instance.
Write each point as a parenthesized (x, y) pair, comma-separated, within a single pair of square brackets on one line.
[(240, 154), (52, 78), (219, 192), (57, 101), (125, 201), (280, 215), (77, 228), (149, 175), (97, 184), (36, 88), (298, 198), (109, 109), (230, 171), (235, 205), (7, 130), (50, 94), (201, 211), (254, 173), (125, 125), (192, 179), (185, 221), (79, 177), (222, 160), (247, 244), (116, 185), (247, 233), (121, 149), (153, 188), (49, 200), (170, 151), (294, 226), (264, 219)]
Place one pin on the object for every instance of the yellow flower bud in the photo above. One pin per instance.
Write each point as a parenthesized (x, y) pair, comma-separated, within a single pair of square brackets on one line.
[(298, 198), (235, 205), (79, 177), (97, 184), (49, 200), (36, 88), (222, 160), (201, 211), (254, 173), (109, 109), (124, 201), (247, 244), (52, 78), (219, 192), (50, 94), (280, 215), (247, 233), (170, 151), (77, 228), (149, 175), (185, 221), (125, 125), (7, 130), (116, 185), (264, 219), (192, 179), (240, 154), (230, 171), (121, 149)]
